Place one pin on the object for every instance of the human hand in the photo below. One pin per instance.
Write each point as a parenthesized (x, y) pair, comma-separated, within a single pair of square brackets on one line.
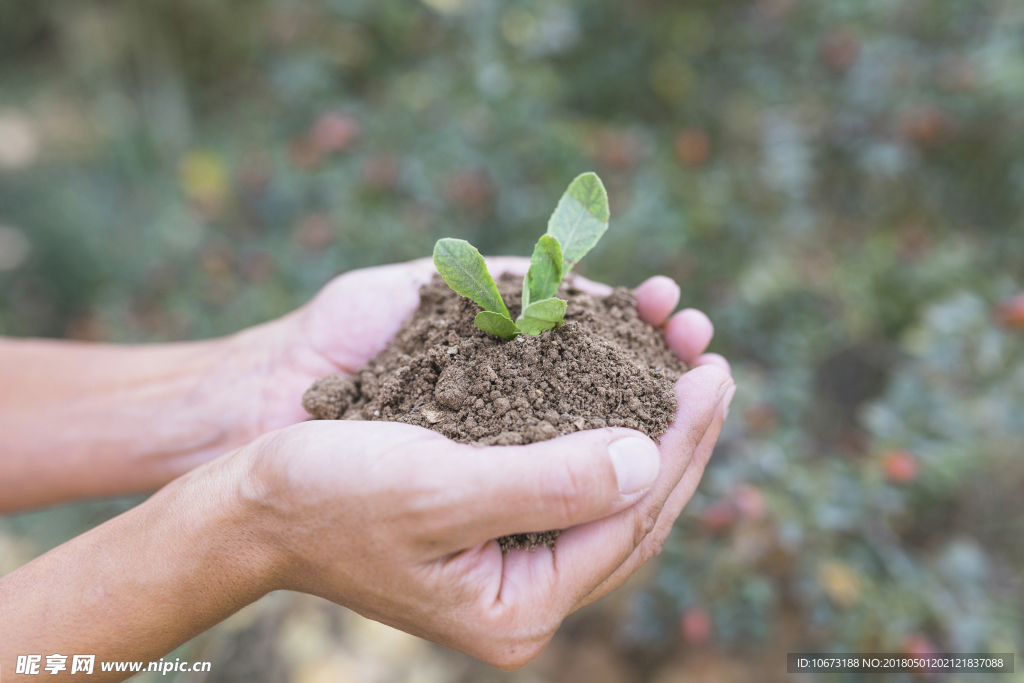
[(139, 417), (396, 522), (354, 317), (389, 519)]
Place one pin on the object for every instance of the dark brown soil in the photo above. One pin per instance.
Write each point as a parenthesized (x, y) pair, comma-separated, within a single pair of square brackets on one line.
[(603, 367)]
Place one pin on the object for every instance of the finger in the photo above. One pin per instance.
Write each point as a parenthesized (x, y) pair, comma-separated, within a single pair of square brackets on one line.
[(691, 478), (516, 265), (688, 333), (589, 286), (552, 484), (670, 512), (713, 359), (376, 303), (656, 298), (698, 392), (586, 555)]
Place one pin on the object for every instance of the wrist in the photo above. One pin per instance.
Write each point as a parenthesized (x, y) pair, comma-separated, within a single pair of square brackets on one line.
[(224, 523), (277, 504), (264, 372), (252, 384), (258, 497), (163, 572)]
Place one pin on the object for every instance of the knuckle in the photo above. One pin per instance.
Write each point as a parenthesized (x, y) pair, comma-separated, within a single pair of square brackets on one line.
[(512, 656), (645, 522), (648, 552), (653, 545), (710, 376), (695, 434), (510, 646), (572, 488)]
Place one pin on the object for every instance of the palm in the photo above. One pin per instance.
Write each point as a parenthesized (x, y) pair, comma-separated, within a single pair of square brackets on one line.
[(354, 317)]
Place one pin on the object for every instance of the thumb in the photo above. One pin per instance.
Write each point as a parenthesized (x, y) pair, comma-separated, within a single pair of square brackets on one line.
[(551, 484)]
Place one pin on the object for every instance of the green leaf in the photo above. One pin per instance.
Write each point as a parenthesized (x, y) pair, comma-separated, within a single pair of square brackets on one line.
[(465, 271), (497, 324), (580, 218), (542, 315), (541, 281)]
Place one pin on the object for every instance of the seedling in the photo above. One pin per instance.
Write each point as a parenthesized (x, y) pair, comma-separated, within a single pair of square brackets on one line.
[(578, 222)]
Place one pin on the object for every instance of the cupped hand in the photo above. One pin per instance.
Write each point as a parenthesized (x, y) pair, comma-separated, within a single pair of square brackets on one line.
[(354, 317), (397, 522)]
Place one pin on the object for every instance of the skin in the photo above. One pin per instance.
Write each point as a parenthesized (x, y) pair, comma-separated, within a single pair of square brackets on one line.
[(392, 521)]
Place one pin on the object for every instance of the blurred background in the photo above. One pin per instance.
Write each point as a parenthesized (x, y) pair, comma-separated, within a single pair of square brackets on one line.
[(838, 183)]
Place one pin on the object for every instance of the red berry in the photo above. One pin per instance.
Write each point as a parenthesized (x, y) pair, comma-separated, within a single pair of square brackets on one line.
[(920, 646), (315, 231), (380, 172), (900, 467), (1011, 312), (750, 502), (760, 418), (928, 124), (839, 48), (334, 132), (471, 191), (696, 626), (618, 150), (719, 515), (693, 147)]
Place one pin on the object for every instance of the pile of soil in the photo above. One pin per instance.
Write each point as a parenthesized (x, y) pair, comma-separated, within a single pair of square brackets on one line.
[(603, 367)]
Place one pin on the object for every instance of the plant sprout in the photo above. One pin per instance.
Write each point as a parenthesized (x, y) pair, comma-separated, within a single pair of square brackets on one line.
[(578, 222)]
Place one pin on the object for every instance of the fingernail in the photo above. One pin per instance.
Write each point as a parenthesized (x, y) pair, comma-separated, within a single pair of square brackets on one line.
[(723, 390), (636, 462), (726, 400)]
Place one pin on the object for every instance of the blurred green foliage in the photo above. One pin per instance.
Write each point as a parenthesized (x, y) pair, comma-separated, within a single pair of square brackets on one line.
[(837, 183)]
